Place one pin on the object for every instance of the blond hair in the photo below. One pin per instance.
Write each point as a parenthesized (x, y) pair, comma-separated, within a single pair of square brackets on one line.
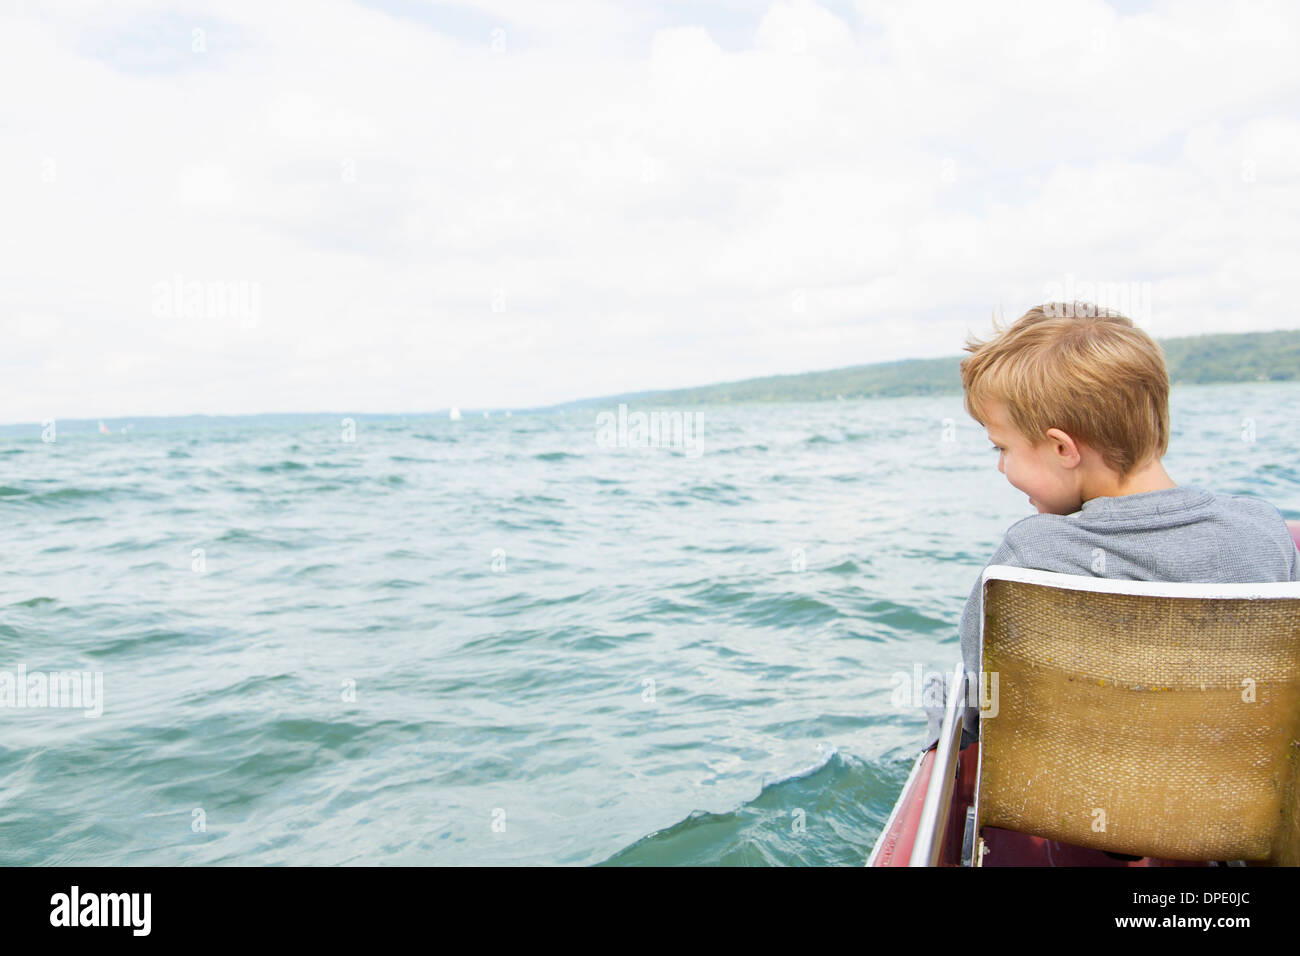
[(1087, 371)]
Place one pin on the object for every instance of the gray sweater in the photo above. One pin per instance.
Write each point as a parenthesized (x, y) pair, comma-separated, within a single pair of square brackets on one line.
[(1180, 534)]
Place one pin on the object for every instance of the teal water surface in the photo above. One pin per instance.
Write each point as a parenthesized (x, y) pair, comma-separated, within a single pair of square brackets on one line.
[(497, 640)]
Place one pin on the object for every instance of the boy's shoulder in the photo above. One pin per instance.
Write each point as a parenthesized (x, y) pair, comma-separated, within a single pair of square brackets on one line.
[(1031, 536), (1263, 519), (1247, 508), (1250, 511), (1249, 504), (1068, 543)]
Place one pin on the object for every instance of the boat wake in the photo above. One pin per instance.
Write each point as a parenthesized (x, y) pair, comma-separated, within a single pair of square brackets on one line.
[(819, 816)]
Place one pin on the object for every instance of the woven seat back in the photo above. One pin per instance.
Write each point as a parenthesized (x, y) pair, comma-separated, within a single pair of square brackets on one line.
[(1152, 725)]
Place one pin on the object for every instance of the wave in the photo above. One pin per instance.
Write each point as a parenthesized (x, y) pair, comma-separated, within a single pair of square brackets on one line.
[(153, 641), (396, 583), (719, 493), (59, 497), (824, 815), (740, 449), (538, 500), (772, 610), (240, 536), (847, 566)]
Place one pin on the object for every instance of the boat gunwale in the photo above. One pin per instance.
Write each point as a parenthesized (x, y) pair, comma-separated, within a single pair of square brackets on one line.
[(902, 801)]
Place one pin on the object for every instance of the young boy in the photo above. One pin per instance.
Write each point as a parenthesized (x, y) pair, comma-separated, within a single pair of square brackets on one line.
[(1076, 401)]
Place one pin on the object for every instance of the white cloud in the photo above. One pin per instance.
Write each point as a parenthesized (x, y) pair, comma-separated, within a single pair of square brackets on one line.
[(606, 196)]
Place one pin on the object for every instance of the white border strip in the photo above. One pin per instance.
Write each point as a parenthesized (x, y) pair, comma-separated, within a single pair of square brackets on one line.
[(1174, 589)]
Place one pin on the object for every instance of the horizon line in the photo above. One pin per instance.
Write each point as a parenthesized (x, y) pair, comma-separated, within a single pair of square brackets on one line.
[(446, 410)]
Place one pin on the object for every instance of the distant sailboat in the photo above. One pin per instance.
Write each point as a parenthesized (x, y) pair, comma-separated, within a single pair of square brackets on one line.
[(455, 414), (103, 429)]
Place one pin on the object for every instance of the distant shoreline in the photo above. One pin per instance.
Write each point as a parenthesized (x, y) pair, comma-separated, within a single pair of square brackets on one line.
[(1238, 358), (1228, 359)]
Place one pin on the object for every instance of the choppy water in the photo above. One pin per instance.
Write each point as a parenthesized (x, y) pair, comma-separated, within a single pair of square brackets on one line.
[(495, 641)]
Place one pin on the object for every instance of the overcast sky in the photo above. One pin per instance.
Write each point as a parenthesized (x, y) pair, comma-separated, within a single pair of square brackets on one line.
[(401, 205)]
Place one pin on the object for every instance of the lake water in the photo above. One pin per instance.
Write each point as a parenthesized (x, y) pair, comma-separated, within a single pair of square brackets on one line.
[(424, 641)]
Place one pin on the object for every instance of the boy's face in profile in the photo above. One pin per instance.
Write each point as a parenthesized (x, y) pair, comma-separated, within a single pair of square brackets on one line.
[(1048, 473)]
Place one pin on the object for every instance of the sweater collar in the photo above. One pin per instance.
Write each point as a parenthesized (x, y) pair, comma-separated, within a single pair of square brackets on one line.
[(1149, 502)]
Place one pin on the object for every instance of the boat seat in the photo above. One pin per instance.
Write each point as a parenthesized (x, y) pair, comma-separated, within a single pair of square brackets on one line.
[(1143, 718)]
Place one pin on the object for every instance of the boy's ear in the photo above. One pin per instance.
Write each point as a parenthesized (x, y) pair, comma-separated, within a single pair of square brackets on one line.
[(1066, 447)]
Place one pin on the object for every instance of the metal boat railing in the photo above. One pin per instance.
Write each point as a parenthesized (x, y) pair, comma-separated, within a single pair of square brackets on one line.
[(938, 794)]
